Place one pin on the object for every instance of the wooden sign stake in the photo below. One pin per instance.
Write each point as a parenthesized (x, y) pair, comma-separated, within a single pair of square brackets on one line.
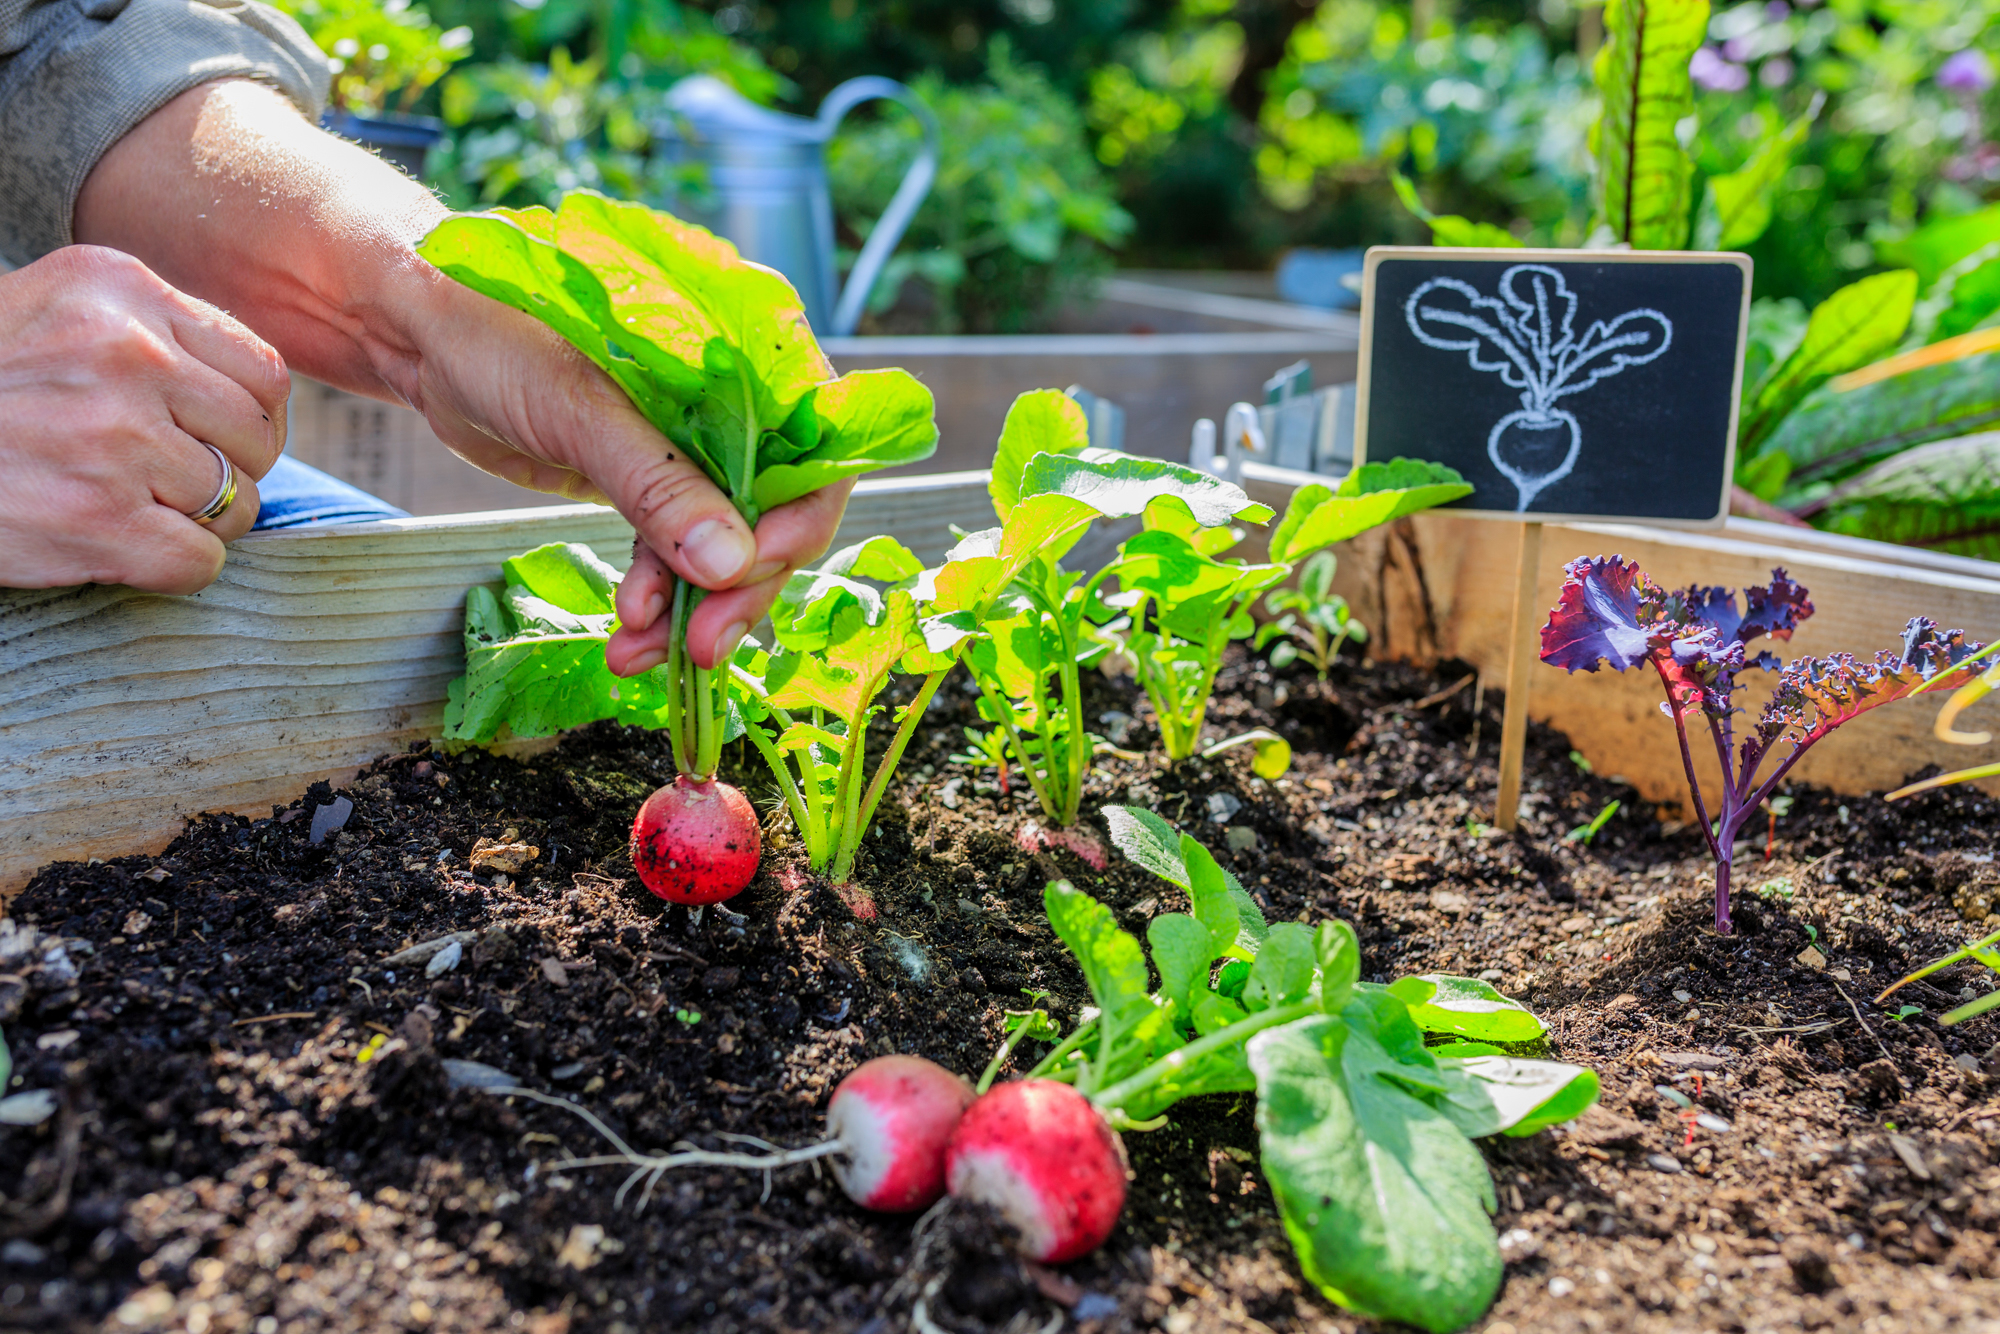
[(1521, 655)]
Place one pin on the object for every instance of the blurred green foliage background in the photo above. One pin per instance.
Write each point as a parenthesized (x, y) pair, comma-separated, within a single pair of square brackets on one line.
[(1202, 133)]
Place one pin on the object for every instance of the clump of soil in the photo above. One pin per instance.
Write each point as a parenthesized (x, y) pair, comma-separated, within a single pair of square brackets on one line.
[(256, 1131)]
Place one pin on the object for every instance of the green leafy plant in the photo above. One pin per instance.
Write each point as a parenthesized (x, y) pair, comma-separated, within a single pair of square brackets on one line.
[(807, 706), (384, 55), (1035, 623), (1017, 224), (715, 353), (1644, 175), (1587, 832), (1365, 1131), (1946, 728), (1184, 605), (1312, 620)]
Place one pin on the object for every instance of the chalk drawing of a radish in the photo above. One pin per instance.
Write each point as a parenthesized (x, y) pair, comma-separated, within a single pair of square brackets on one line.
[(1526, 335)]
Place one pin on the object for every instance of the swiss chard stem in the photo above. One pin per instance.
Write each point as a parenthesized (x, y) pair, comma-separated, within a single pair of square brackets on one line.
[(1114, 1098)]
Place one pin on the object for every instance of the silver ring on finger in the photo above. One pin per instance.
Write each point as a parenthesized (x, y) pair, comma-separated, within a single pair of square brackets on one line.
[(225, 494)]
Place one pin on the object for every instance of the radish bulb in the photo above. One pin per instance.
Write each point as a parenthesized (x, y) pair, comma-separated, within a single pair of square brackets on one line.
[(1040, 1153), (696, 842), (893, 1117)]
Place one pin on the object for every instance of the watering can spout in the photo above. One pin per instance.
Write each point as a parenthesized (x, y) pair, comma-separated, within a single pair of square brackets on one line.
[(767, 186)]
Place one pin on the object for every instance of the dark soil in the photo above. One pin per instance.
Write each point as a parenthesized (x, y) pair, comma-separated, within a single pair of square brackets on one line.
[(256, 1132)]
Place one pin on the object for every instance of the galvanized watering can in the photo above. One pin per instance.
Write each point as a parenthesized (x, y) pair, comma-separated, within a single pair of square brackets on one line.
[(768, 186)]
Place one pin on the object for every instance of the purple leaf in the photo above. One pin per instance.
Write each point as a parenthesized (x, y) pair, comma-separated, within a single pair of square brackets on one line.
[(1601, 617), (1776, 609), (1816, 695)]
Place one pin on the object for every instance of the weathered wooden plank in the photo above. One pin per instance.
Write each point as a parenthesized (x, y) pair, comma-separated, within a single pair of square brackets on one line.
[(1440, 585), (121, 713)]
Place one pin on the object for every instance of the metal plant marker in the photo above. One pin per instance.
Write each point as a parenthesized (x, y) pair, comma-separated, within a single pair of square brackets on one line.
[(1526, 334)]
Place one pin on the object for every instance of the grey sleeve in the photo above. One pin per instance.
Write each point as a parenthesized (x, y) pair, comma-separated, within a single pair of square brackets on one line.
[(76, 75)]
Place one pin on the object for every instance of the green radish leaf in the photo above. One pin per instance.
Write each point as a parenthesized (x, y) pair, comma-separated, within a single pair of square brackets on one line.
[(1440, 1003), (1123, 485), (1943, 496), (1214, 1011), (1459, 1048), (534, 654), (1045, 421), (1182, 951), (1371, 495), (1838, 430), (1491, 1095), (1215, 906), (1229, 979), (800, 735), (1112, 963), (1643, 172), (1148, 840), (1736, 208), (713, 350), (1385, 1200), (1851, 328), (1337, 952), (1284, 969)]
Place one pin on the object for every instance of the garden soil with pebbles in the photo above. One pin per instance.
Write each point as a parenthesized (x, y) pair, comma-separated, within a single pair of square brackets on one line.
[(1772, 1151)]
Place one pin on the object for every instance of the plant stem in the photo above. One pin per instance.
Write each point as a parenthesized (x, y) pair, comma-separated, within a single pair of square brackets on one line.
[(851, 839), (1124, 1090), (1006, 1050), (1970, 951), (676, 685), (782, 771), (1062, 1049)]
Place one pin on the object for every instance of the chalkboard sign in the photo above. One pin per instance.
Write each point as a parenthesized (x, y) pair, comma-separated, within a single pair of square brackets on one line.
[(1563, 384)]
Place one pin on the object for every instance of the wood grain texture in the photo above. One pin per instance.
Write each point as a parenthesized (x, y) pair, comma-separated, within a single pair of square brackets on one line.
[(121, 713)]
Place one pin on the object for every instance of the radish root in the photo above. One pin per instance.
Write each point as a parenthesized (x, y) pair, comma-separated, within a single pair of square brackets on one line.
[(651, 1167)]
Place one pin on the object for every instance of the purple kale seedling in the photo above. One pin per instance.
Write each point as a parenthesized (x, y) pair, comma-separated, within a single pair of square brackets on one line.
[(1610, 612)]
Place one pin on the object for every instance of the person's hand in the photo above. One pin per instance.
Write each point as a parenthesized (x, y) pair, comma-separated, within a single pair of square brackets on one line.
[(229, 193), (110, 382), (510, 396)]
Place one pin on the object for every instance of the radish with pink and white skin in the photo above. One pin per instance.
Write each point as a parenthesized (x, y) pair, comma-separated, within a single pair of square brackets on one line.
[(888, 1122), (1040, 1153)]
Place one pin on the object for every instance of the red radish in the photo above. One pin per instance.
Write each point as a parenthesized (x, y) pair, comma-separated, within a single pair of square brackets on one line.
[(1040, 1153), (696, 843), (893, 1118)]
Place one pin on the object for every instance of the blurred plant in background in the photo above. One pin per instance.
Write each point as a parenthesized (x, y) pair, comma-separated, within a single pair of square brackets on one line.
[(1019, 220), (385, 55), (1485, 116)]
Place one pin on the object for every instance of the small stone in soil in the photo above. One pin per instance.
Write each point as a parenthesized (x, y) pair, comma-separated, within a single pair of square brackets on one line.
[(1489, 974), (1560, 1287), (444, 960), (330, 818), (1222, 807), (1240, 838), (1662, 1162)]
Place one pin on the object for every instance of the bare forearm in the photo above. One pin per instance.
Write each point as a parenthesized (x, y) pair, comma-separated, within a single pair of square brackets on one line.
[(229, 194)]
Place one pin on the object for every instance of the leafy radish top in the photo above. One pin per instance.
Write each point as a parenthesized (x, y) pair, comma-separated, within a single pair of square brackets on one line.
[(712, 349)]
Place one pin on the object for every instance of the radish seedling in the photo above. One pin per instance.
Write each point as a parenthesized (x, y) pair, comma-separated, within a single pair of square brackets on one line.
[(715, 353), (1366, 1132), (1035, 622), (1611, 614), (1184, 605), (840, 638), (889, 1122)]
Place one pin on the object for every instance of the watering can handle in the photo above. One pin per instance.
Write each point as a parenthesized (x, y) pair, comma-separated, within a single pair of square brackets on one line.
[(902, 207)]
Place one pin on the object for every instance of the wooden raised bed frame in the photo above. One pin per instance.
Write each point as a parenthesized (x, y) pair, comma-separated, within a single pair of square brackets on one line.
[(122, 713)]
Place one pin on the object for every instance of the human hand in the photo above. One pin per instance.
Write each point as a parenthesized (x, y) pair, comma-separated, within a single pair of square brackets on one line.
[(110, 381), (511, 397), (228, 192)]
